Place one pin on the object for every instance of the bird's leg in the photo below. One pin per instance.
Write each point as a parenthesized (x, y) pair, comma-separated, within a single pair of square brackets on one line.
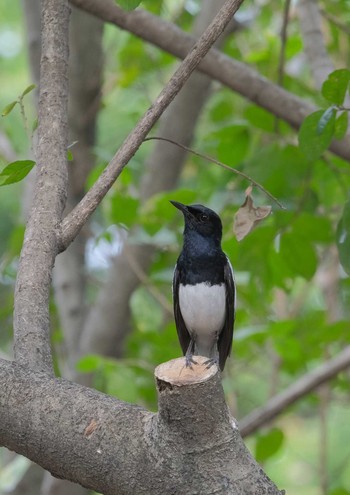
[(214, 359), (189, 355)]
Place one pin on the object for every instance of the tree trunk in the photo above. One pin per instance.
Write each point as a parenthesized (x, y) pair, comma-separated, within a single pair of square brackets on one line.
[(192, 445)]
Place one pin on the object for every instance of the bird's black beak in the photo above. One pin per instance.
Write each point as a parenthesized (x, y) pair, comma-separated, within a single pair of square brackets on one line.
[(180, 206)]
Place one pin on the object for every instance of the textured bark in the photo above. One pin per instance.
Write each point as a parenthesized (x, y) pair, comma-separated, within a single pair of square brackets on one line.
[(231, 73), (31, 315), (109, 319), (78, 217), (191, 446)]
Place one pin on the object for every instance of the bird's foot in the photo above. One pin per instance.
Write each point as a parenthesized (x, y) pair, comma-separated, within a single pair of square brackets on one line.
[(210, 362), (190, 361)]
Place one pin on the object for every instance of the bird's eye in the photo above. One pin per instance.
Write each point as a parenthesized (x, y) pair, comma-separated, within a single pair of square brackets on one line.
[(203, 217)]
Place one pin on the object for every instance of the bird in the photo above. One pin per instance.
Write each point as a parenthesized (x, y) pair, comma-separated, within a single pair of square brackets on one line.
[(204, 291)]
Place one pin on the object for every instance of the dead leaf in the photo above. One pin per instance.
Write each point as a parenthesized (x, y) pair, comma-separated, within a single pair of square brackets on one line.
[(248, 216)]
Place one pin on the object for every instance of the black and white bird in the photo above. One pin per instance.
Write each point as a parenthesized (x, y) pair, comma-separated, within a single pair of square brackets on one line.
[(203, 288)]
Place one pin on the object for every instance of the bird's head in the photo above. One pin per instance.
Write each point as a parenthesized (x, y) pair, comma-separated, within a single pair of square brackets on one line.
[(200, 219)]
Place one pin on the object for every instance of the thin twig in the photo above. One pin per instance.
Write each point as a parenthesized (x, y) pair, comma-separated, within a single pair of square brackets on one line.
[(282, 57), (223, 165), (25, 121)]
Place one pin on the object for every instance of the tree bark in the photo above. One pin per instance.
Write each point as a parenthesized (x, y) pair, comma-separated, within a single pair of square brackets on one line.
[(31, 315), (192, 445)]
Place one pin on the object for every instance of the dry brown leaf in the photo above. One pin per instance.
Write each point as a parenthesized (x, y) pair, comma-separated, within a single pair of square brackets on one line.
[(248, 216)]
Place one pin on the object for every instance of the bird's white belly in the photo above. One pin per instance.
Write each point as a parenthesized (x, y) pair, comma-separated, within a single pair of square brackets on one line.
[(203, 308)]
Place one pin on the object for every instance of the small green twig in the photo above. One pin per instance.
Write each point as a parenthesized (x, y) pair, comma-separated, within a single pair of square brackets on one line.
[(24, 117), (223, 165)]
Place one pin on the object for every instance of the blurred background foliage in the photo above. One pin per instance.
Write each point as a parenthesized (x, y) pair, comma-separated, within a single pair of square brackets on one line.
[(293, 295)]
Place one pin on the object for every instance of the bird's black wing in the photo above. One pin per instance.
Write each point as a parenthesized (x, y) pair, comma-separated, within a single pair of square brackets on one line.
[(182, 332), (225, 337)]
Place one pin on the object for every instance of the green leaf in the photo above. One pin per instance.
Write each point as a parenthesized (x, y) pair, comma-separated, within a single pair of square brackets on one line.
[(268, 444), (15, 171), (314, 228), (16, 240), (8, 108), (313, 140), (327, 116), (341, 125), (28, 90), (343, 238), (89, 363), (69, 155), (339, 491), (335, 87), (129, 4), (229, 144), (299, 254), (123, 209)]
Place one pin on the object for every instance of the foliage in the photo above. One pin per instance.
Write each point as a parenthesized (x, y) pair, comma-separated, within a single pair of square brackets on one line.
[(15, 171), (321, 127), (285, 322)]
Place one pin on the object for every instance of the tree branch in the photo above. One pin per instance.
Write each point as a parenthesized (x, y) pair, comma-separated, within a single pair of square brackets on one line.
[(76, 219), (296, 391), (31, 315), (231, 73), (191, 445)]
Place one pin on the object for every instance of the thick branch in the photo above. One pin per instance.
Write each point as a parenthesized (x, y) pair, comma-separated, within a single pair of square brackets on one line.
[(231, 73), (296, 391), (31, 316), (75, 220), (191, 446)]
